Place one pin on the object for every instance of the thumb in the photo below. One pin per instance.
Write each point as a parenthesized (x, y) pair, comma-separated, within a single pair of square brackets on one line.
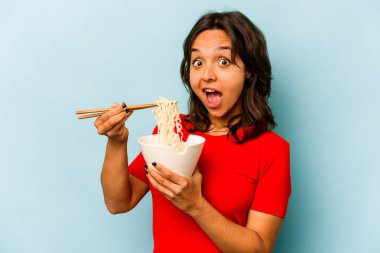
[(197, 172)]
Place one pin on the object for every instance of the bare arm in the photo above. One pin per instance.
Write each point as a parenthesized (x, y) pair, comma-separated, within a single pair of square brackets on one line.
[(121, 190), (259, 234)]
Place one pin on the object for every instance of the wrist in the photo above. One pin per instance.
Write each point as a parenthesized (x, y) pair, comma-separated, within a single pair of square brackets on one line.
[(197, 211), (116, 143), (121, 138)]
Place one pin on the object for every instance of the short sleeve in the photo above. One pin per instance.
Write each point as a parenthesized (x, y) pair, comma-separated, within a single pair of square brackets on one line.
[(137, 166), (274, 185)]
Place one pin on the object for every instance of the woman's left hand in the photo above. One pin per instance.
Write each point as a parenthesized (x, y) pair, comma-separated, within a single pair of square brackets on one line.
[(184, 192)]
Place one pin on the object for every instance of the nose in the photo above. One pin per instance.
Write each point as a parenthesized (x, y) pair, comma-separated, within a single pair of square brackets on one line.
[(208, 73)]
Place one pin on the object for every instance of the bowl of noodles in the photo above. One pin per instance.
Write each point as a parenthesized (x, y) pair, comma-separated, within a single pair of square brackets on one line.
[(167, 146), (181, 162)]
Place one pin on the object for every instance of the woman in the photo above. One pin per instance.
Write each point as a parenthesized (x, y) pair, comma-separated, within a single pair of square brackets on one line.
[(237, 197)]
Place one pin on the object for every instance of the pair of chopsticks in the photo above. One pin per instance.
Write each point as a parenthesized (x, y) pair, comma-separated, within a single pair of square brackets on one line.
[(85, 114)]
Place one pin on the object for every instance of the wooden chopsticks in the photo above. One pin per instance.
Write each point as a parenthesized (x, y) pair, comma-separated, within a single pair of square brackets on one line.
[(99, 112)]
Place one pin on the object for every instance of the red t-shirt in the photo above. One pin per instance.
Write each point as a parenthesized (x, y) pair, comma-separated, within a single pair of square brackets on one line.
[(236, 178)]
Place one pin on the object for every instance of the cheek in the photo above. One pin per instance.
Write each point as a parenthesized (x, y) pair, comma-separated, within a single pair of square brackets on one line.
[(235, 79), (240, 79), (194, 80), (237, 85)]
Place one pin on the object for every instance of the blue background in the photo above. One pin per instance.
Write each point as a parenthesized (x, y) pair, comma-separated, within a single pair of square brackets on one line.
[(60, 56)]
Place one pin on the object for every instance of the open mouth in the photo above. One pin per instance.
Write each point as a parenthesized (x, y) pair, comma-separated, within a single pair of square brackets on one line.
[(213, 97)]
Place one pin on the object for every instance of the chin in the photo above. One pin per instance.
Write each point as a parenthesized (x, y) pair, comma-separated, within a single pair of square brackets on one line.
[(216, 113)]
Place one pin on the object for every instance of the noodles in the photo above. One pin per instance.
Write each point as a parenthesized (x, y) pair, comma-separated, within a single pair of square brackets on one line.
[(168, 123)]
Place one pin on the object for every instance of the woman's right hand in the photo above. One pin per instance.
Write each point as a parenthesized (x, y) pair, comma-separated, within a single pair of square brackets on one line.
[(112, 124)]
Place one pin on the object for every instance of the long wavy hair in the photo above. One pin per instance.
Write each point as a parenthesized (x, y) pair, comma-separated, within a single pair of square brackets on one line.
[(249, 43)]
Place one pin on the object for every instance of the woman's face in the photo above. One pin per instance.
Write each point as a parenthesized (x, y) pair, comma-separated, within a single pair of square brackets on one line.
[(215, 79)]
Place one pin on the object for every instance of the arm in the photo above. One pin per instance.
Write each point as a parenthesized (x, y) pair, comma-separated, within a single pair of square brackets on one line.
[(121, 190), (259, 234)]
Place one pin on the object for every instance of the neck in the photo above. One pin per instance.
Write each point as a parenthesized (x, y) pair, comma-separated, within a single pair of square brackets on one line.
[(221, 122), (219, 126), (213, 131)]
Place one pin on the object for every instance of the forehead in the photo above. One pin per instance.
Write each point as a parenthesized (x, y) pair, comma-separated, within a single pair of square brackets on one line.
[(211, 39)]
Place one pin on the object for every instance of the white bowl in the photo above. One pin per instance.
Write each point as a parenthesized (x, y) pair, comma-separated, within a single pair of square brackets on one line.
[(182, 163)]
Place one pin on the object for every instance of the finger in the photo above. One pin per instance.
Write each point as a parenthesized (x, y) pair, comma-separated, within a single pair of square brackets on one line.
[(197, 171), (174, 177), (116, 129), (119, 125), (117, 108), (111, 122), (197, 175), (162, 180), (161, 188), (129, 113)]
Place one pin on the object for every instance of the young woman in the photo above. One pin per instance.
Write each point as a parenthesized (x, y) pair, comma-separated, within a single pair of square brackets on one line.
[(237, 197)]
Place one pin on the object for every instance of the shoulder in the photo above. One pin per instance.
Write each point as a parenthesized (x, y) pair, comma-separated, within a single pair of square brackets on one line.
[(187, 126), (182, 116), (272, 139), (271, 143), (274, 153), (185, 121)]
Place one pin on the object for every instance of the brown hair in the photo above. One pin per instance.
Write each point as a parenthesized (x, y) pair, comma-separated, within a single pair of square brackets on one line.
[(248, 42)]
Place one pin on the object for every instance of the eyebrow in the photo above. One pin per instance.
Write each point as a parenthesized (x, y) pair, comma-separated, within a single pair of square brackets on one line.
[(219, 48)]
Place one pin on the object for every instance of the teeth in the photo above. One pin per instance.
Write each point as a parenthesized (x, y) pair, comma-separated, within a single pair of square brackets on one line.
[(209, 90)]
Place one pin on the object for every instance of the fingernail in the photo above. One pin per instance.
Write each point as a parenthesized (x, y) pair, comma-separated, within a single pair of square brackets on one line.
[(154, 164), (123, 105), (146, 166), (126, 110)]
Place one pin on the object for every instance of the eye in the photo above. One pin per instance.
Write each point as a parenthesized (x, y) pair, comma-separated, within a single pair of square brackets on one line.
[(197, 63), (224, 61)]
